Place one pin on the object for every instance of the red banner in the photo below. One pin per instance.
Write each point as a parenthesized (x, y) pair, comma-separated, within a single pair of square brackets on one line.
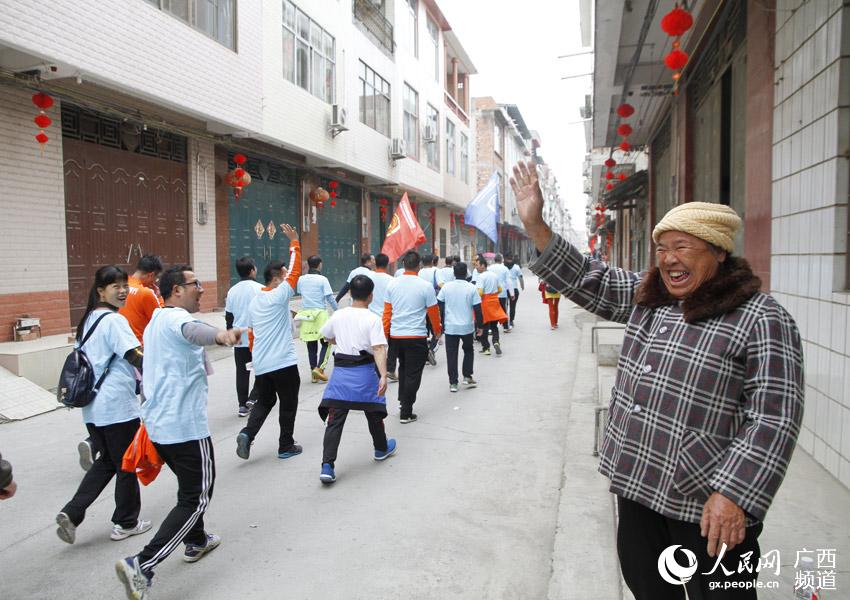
[(404, 231)]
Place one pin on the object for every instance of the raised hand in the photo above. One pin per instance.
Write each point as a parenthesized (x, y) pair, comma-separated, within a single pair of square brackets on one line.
[(289, 231), (529, 202)]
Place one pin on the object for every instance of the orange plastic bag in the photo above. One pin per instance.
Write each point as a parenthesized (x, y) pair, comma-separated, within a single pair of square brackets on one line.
[(492, 309), (142, 458)]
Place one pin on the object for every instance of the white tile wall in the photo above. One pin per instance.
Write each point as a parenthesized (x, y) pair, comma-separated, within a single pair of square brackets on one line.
[(202, 189), (810, 218)]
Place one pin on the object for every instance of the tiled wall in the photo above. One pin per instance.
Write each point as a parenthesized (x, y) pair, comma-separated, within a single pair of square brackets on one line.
[(811, 137)]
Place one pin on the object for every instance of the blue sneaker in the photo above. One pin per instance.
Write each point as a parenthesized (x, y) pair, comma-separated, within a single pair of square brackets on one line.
[(328, 476), (136, 582), (195, 553), (385, 454), (293, 450), (243, 446)]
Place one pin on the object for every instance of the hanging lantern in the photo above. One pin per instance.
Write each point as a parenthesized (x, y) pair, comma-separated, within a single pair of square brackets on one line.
[(625, 146), (42, 138), (676, 60), (609, 187), (609, 175), (610, 163), (333, 184), (239, 172), (333, 194), (383, 202), (42, 100), (239, 159), (622, 177), (625, 110), (624, 130), (383, 214), (43, 121), (676, 22), (333, 203)]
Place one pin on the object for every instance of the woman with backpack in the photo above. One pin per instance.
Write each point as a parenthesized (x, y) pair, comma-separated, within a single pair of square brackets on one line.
[(112, 417)]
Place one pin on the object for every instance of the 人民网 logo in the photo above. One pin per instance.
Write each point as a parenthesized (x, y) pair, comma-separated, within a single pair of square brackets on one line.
[(670, 569)]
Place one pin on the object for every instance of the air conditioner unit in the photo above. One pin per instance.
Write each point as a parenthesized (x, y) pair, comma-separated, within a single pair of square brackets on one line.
[(339, 119), (397, 149), (429, 136)]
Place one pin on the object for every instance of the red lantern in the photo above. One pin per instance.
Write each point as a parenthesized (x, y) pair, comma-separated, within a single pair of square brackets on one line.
[(624, 130), (383, 213), (610, 163), (676, 22), (609, 175), (609, 186), (333, 202), (625, 110), (333, 184), (383, 202), (41, 138), (622, 177), (239, 172), (42, 100), (42, 120), (676, 60), (239, 159), (625, 146), (333, 194)]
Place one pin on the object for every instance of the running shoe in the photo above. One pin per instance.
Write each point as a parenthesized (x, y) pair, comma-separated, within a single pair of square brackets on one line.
[(498, 348), (408, 419), (485, 351), (135, 581), (86, 455), (452, 387), (66, 531), (327, 476), (469, 382), (244, 411), (243, 446), (385, 454), (195, 553), (120, 533), (293, 450)]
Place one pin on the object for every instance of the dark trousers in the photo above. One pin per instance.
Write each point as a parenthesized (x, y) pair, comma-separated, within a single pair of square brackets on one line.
[(282, 384), (242, 356), (491, 327), (452, 343), (412, 354), (392, 356), (112, 442), (313, 355), (643, 534), (504, 303), (193, 463), (513, 299), (333, 432)]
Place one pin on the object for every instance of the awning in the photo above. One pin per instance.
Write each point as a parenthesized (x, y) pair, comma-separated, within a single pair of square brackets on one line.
[(635, 188)]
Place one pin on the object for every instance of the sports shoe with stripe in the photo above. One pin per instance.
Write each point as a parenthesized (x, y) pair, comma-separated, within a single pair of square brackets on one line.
[(195, 553), (119, 533)]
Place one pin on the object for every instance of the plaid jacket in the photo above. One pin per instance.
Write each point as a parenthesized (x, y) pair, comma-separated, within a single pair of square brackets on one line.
[(699, 406)]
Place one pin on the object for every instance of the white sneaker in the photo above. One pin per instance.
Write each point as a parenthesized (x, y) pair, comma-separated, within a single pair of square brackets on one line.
[(66, 531), (119, 533), (86, 455)]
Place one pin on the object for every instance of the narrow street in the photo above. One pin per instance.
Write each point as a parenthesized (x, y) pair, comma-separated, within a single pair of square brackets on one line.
[(466, 509)]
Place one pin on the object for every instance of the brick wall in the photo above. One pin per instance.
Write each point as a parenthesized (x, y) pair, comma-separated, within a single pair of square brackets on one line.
[(50, 306)]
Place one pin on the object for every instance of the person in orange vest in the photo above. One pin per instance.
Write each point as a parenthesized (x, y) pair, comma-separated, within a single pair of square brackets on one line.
[(489, 289)]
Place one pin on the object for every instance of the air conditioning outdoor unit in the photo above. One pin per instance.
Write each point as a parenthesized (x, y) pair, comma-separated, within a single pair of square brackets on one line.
[(429, 136), (397, 149), (339, 120)]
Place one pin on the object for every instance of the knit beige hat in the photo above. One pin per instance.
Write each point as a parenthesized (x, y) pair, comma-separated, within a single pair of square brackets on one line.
[(715, 223)]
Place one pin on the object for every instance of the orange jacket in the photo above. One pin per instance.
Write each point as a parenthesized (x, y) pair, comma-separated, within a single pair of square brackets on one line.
[(492, 309)]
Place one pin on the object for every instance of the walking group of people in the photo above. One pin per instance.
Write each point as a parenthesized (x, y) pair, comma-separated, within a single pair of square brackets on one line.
[(147, 356)]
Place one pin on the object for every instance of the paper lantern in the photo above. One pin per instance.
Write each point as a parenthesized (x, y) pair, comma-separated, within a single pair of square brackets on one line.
[(42, 138), (625, 146), (624, 130), (609, 175), (239, 159), (676, 22), (333, 185), (609, 186), (42, 120), (622, 177), (239, 172), (676, 60), (610, 163), (42, 100), (625, 110), (333, 202), (333, 194)]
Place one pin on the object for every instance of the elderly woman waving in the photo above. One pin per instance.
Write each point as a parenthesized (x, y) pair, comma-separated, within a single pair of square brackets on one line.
[(708, 398)]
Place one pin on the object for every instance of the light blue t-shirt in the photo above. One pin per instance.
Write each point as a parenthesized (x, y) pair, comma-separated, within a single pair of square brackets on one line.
[(501, 273), (445, 275), (314, 290), (175, 380), (487, 282), (269, 316), (237, 301), (358, 271), (379, 294), (116, 401), (411, 296), (514, 273), (399, 272), (459, 297), (429, 274)]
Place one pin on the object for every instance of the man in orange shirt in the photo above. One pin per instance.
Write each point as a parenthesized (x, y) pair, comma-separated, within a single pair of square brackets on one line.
[(142, 299)]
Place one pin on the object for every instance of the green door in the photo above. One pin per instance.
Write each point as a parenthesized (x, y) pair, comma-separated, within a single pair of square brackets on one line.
[(339, 234), (255, 219), (423, 214)]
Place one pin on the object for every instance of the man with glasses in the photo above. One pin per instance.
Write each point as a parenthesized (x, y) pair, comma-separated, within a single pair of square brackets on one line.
[(175, 416)]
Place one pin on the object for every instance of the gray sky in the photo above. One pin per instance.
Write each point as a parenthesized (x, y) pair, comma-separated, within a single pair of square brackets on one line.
[(515, 47)]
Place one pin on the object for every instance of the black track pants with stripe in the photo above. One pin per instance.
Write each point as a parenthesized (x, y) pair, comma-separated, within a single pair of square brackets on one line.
[(194, 465)]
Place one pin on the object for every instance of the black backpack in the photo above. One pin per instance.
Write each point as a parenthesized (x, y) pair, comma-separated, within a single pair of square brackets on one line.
[(77, 387)]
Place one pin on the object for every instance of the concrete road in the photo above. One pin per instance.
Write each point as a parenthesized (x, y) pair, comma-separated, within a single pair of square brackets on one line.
[(466, 509)]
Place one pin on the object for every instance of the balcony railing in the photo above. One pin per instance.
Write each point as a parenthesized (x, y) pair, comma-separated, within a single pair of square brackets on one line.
[(456, 109), (374, 21)]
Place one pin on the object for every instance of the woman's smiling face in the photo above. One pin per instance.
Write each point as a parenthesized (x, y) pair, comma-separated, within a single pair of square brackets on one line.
[(686, 262)]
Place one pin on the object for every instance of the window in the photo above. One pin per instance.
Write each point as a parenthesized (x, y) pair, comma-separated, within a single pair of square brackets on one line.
[(411, 121), (214, 18), (374, 100), (411, 34), (450, 147), (432, 149), (434, 35), (464, 158), (309, 54)]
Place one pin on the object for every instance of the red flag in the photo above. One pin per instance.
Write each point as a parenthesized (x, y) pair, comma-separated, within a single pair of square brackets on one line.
[(404, 231)]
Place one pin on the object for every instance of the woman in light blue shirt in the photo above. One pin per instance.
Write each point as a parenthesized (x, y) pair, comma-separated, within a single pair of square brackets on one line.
[(112, 418)]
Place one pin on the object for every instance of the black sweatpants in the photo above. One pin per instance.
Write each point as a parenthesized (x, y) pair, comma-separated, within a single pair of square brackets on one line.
[(412, 355), (452, 343), (313, 355), (112, 442), (335, 424), (643, 534), (392, 356), (513, 299), (242, 356), (504, 304), (193, 463), (282, 384), (492, 326)]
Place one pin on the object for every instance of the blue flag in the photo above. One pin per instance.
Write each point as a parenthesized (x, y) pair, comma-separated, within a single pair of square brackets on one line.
[(483, 211)]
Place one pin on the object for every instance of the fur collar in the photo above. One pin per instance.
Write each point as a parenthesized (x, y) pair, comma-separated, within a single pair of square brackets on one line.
[(733, 285)]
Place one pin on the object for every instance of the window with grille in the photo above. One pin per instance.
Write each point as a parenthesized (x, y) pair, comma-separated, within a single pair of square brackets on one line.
[(309, 54)]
